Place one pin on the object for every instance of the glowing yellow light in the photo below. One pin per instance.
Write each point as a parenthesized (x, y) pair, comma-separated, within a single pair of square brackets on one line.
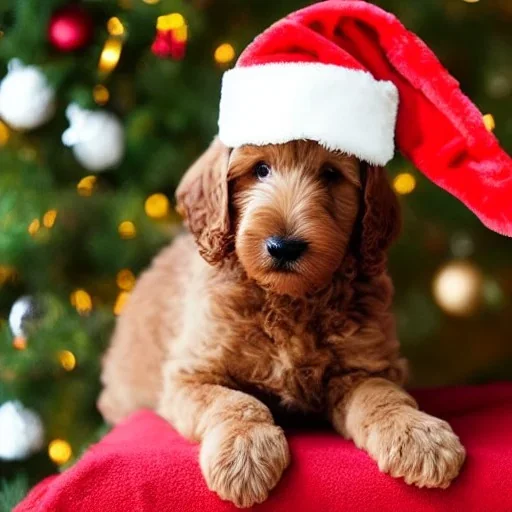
[(19, 343), (115, 27), (224, 53), (471, 1), (157, 206), (59, 451), (7, 273), (86, 185), (489, 122), (4, 134), (125, 279), (457, 288), (170, 21), (81, 301), (100, 94), (121, 300), (151, 2), (67, 360), (34, 226), (110, 54), (127, 230), (404, 183), (181, 34), (49, 218)]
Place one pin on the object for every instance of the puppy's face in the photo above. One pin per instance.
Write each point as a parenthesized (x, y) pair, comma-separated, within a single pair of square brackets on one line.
[(293, 209)]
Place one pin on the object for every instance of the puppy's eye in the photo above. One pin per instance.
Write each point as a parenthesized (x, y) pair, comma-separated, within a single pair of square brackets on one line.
[(261, 170), (330, 174)]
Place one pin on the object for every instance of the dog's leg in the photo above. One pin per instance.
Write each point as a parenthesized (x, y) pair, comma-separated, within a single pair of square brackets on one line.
[(385, 421), (243, 453)]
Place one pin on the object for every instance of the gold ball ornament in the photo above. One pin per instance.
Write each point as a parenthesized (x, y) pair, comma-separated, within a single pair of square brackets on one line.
[(458, 288)]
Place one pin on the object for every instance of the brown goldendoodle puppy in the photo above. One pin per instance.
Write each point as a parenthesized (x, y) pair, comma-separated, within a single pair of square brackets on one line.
[(285, 295)]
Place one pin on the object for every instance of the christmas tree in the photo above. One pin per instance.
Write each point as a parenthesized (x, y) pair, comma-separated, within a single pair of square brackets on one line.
[(103, 105)]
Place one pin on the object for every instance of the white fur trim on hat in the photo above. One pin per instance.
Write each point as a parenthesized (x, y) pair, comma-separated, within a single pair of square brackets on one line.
[(342, 109)]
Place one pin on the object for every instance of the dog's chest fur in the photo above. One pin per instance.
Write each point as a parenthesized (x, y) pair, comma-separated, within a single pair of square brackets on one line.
[(282, 347)]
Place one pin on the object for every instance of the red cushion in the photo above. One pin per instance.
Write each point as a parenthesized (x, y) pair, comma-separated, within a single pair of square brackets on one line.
[(143, 465)]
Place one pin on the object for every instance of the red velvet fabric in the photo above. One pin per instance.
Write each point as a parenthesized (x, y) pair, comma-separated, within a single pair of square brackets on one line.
[(143, 465), (438, 128)]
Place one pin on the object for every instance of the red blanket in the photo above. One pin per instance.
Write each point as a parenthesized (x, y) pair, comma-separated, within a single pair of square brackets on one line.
[(143, 465)]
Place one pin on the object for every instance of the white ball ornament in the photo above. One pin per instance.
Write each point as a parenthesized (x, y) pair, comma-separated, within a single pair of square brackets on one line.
[(22, 431), (25, 312), (27, 100), (96, 136)]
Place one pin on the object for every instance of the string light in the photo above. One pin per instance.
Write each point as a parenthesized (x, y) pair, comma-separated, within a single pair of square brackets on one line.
[(489, 122), (457, 288), (224, 53), (81, 301), (471, 1), (67, 360), (404, 183), (86, 185), (19, 343), (121, 300), (49, 218), (59, 451), (125, 279), (4, 134), (170, 22), (157, 206), (151, 2), (115, 27), (110, 54), (127, 230), (33, 227), (100, 94)]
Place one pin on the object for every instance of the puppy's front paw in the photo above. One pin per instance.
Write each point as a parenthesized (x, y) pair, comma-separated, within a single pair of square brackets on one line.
[(418, 447), (243, 462)]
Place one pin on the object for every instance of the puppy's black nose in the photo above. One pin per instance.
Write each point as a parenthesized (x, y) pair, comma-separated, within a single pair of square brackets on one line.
[(285, 250)]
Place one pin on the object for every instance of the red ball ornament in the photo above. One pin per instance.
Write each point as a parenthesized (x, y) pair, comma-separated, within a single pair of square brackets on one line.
[(70, 28), (166, 45)]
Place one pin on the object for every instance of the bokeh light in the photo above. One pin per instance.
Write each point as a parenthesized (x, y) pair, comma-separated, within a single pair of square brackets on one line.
[(86, 185), (81, 301), (224, 53), (404, 183), (125, 279), (110, 54), (127, 230), (457, 288), (59, 451), (49, 218), (115, 27), (100, 94), (489, 122), (157, 206), (67, 360), (121, 300)]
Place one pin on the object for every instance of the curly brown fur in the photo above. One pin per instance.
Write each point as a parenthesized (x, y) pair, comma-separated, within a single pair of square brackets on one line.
[(211, 325)]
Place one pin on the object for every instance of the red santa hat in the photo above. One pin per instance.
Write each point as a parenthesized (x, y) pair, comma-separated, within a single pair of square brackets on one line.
[(349, 75)]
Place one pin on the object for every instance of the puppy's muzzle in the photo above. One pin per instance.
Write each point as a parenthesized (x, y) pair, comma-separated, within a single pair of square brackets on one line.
[(285, 251)]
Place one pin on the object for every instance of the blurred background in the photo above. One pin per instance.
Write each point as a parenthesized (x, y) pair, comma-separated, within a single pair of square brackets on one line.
[(103, 105)]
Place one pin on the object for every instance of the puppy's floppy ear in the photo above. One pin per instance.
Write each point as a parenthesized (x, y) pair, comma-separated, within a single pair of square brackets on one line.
[(202, 199), (381, 220)]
